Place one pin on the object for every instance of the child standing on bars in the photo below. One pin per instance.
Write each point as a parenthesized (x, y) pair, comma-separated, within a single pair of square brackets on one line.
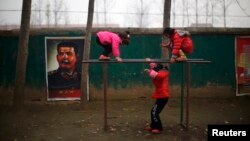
[(179, 43), (159, 75), (111, 43)]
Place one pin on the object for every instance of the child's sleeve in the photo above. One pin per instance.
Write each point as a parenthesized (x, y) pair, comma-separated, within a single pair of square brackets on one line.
[(115, 47), (152, 73)]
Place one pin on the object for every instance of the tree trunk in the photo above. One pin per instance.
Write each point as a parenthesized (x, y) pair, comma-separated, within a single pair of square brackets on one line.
[(22, 56), (166, 23), (86, 52), (167, 13)]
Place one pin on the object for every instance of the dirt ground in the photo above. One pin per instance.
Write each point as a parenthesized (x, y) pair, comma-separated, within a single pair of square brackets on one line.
[(65, 121)]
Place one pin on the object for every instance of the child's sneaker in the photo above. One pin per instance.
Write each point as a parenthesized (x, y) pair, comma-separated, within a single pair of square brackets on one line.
[(156, 131), (148, 128), (102, 57), (182, 56)]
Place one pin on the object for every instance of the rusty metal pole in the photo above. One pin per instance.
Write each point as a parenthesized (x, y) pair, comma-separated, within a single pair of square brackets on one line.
[(105, 85), (182, 94), (188, 94)]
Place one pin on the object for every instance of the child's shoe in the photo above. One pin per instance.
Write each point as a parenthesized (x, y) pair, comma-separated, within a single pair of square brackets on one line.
[(148, 128), (102, 57), (182, 56), (156, 131)]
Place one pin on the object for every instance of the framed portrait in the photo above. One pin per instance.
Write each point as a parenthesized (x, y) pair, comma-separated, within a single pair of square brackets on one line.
[(63, 67), (242, 56)]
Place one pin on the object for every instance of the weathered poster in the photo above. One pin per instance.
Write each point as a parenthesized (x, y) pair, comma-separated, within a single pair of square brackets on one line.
[(63, 67), (242, 50)]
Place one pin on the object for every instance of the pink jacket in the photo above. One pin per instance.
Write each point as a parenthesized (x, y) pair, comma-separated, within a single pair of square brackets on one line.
[(112, 39)]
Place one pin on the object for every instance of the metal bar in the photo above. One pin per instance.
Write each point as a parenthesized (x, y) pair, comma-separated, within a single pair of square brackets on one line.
[(188, 93), (182, 93), (143, 61), (105, 84)]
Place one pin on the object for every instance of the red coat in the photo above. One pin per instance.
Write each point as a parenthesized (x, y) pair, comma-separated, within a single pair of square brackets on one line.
[(183, 42), (161, 85)]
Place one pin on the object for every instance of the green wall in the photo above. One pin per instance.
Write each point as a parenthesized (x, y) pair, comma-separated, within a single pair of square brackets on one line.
[(217, 48)]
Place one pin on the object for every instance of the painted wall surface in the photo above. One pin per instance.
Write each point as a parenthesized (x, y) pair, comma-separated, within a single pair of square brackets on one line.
[(217, 48)]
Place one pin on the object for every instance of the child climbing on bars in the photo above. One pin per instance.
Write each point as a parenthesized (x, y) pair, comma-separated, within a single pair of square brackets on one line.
[(179, 43), (111, 43)]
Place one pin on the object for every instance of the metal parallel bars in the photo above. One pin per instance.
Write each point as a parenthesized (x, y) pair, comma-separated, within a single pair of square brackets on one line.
[(143, 61), (105, 82)]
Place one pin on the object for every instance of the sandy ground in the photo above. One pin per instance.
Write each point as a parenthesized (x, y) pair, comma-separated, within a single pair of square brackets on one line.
[(65, 121)]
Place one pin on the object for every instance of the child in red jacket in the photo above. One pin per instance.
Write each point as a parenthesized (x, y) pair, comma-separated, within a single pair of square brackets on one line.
[(179, 43), (159, 75), (111, 43)]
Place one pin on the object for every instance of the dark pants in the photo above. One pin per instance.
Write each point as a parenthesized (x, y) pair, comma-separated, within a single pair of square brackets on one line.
[(107, 48), (155, 111)]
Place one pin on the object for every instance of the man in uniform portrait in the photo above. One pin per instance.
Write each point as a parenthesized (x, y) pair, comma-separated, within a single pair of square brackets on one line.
[(65, 81)]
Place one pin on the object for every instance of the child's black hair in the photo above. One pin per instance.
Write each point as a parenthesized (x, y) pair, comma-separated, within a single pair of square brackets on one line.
[(160, 67), (124, 35), (168, 31)]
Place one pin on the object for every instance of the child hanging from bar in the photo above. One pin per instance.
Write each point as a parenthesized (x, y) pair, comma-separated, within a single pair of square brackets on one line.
[(111, 43), (179, 42), (159, 75)]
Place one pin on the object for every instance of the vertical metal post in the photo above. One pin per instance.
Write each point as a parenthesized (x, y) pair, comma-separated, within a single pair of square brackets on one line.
[(188, 94), (182, 92), (105, 85)]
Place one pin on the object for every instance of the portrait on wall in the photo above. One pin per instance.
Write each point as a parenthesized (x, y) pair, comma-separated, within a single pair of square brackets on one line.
[(63, 67), (242, 51)]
